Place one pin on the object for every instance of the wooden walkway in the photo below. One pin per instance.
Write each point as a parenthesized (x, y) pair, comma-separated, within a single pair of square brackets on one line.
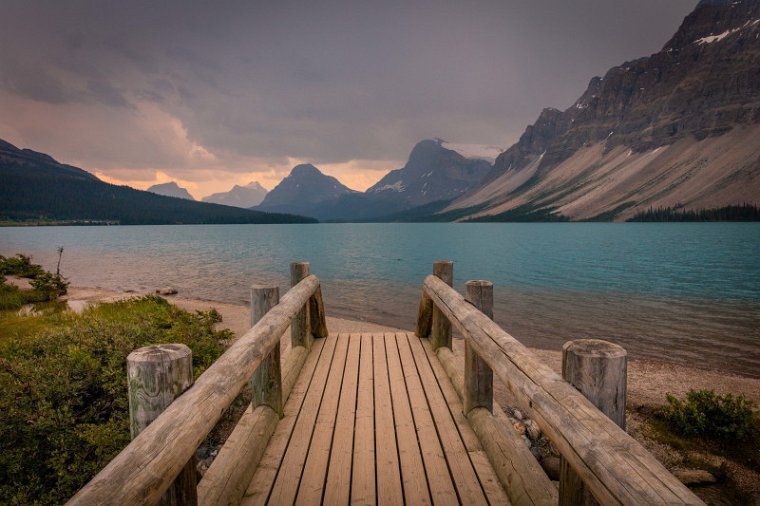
[(374, 419)]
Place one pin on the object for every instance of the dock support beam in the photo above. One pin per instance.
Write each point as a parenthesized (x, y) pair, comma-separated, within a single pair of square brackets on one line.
[(440, 332), (266, 382), (157, 375), (300, 333), (598, 370), (478, 377)]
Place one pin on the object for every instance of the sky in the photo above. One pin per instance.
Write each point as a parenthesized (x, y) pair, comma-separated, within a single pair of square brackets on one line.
[(211, 94)]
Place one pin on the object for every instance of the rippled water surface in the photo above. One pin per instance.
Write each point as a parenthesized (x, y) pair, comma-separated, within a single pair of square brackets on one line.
[(683, 292)]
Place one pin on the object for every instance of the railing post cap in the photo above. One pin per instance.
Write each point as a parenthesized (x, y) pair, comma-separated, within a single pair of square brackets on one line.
[(594, 348), (159, 353), (478, 282), (300, 262), (443, 262), (270, 286)]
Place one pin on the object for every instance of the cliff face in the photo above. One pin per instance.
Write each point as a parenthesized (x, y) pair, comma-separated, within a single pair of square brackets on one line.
[(703, 84)]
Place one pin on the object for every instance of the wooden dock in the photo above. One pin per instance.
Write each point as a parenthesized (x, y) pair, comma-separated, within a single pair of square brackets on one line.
[(379, 418)]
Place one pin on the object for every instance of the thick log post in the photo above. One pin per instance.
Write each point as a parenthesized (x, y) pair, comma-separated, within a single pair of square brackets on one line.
[(156, 376), (478, 377), (424, 316), (266, 382), (317, 320), (440, 332), (598, 369), (300, 333)]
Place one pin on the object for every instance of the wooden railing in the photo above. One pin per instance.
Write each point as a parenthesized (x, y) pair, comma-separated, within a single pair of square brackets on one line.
[(613, 466), (147, 467)]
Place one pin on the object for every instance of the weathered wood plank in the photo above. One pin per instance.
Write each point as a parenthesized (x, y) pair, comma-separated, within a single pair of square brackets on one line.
[(318, 444), (440, 330), (363, 470), (338, 485), (616, 468), (417, 441), (289, 474), (518, 471), (147, 463), (263, 479), (389, 489), (226, 481), (485, 473), (427, 401)]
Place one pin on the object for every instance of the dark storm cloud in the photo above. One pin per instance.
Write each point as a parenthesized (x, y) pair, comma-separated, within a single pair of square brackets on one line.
[(326, 81)]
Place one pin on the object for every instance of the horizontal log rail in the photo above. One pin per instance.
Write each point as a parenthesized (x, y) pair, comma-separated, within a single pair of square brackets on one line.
[(614, 467), (145, 469)]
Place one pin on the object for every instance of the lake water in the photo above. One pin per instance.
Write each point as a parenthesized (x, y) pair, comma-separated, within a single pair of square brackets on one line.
[(682, 292)]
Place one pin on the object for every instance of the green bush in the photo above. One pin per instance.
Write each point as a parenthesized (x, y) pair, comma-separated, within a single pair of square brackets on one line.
[(64, 406), (704, 413), (20, 265)]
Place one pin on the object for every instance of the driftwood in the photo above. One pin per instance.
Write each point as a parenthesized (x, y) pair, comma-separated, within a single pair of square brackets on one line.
[(614, 467)]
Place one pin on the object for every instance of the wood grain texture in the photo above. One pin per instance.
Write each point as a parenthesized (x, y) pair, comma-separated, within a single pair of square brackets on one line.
[(300, 333), (615, 467), (363, 490), (478, 377), (518, 471), (226, 481), (598, 369), (424, 316), (266, 382), (157, 375), (440, 329), (155, 457), (317, 319)]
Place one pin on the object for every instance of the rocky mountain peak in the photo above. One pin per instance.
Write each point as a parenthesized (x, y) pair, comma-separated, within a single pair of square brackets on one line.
[(713, 19), (170, 189)]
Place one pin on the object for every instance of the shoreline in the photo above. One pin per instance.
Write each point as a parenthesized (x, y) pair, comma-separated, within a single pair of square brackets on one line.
[(648, 380)]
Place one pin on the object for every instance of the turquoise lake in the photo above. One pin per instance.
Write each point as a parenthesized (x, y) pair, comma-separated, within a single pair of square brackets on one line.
[(682, 292)]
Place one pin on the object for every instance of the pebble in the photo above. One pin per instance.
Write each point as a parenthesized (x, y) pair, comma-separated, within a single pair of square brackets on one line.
[(694, 476), (517, 414), (551, 467), (167, 290), (533, 431), (520, 428)]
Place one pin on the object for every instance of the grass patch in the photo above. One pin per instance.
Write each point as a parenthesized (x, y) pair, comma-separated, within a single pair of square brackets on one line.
[(64, 408)]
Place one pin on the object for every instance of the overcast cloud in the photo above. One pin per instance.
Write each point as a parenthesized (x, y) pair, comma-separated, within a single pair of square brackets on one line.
[(214, 93)]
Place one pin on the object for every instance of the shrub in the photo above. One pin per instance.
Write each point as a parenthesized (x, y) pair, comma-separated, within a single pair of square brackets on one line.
[(704, 413), (20, 265), (64, 406)]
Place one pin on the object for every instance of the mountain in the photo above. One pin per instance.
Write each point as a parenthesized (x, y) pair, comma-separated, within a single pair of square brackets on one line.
[(170, 189), (246, 196), (302, 190), (433, 173), (35, 187), (675, 129)]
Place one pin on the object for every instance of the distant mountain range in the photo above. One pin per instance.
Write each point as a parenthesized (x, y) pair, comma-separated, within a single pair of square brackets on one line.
[(432, 174), (35, 187), (170, 189), (246, 196), (677, 129)]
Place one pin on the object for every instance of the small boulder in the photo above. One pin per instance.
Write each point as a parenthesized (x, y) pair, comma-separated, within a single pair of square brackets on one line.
[(167, 290)]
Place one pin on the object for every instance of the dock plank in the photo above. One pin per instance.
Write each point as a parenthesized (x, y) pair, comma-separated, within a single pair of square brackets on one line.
[(363, 488), (318, 454), (263, 480), (388, 473), (411, 448)]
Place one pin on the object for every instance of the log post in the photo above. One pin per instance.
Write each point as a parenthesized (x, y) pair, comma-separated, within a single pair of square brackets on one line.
[(440, 332), (478, 377), (266, 382), (157, 375), (598, 369), (300, 334), (317, 320), (424, 315)]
